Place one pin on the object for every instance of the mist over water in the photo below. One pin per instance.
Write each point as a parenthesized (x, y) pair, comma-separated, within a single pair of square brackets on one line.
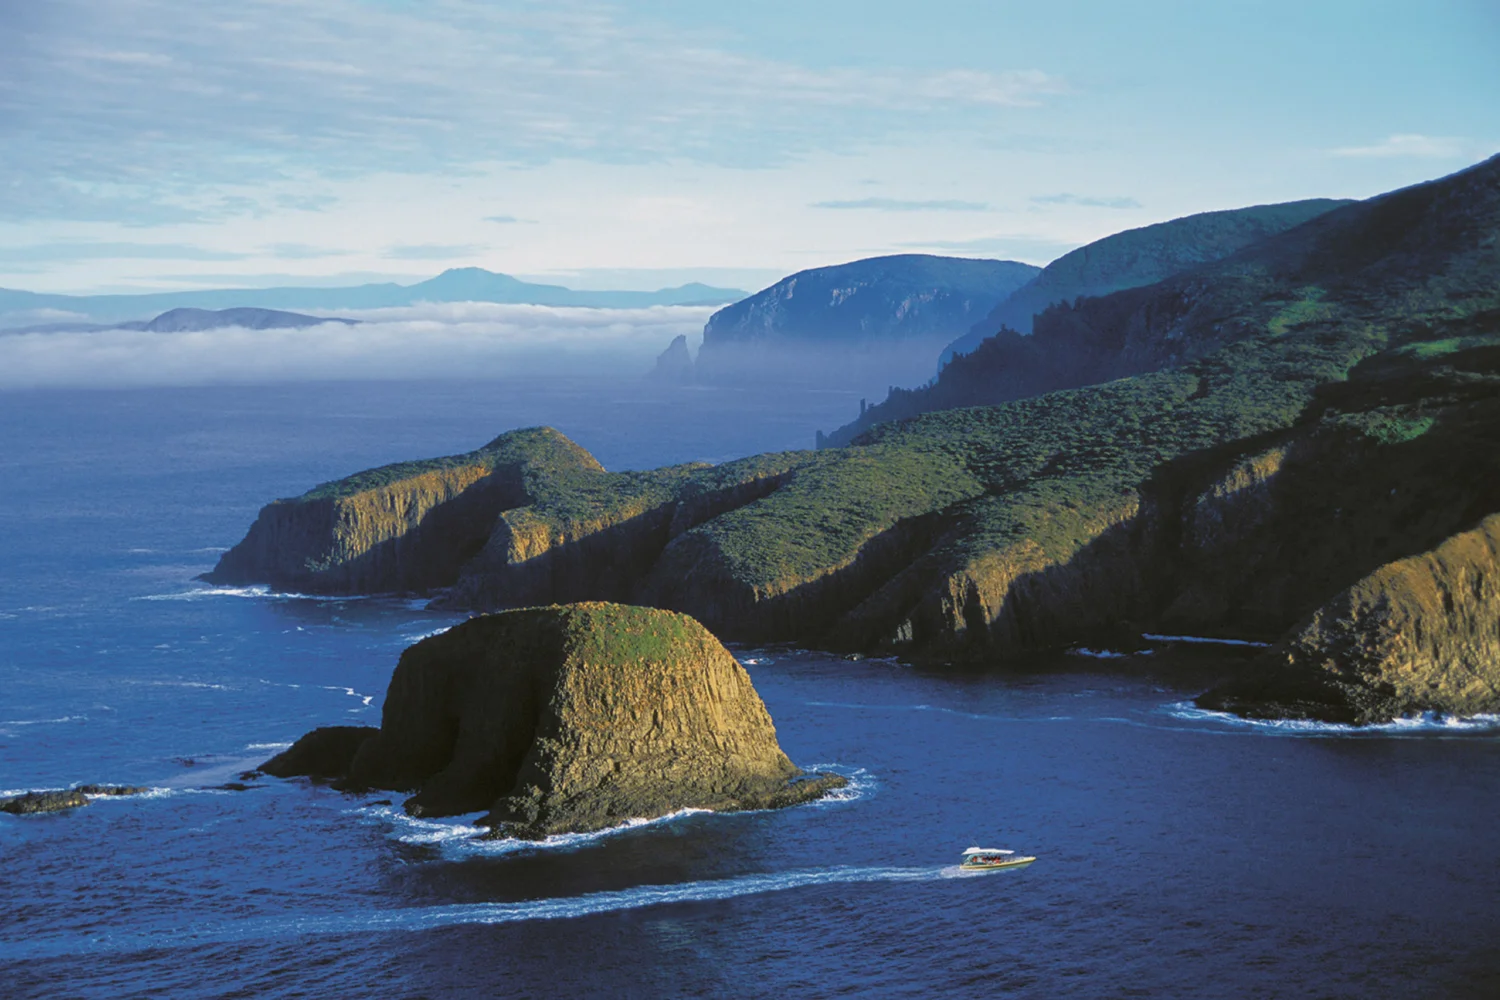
[(1181, 853), (430, 341)]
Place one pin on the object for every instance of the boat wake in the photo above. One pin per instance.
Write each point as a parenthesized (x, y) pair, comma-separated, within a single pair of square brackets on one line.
[(431, 917)]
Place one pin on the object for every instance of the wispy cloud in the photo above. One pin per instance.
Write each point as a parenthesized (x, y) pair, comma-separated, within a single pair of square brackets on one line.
[(433, 251), (149, 109), (88, 250), (301, 251), (507, 220), (468, 340), (1430, 147), (1084, 200), (900, 205)]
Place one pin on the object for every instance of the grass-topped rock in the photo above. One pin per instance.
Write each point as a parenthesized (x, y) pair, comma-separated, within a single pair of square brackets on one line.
[(569, 718)]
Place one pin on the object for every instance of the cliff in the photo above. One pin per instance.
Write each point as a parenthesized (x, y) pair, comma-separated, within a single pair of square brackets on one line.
[(878, 316), (403, 527), (997, 360), (1418, 634), (571, 718)]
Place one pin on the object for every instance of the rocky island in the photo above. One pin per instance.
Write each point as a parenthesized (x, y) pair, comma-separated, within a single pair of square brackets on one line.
[(1250, 446), (565, 719)]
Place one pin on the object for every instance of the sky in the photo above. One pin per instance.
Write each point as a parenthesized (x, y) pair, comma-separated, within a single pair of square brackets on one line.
[(153, 145)]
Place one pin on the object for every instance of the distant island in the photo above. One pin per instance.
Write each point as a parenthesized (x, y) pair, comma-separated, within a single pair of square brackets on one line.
[(186, 320), (463, 284), (1293, 444)]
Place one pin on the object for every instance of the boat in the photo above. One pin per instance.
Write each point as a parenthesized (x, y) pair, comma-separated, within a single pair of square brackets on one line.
[(984, 859)]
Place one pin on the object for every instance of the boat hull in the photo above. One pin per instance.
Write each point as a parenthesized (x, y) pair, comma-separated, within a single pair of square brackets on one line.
[(994, 866)]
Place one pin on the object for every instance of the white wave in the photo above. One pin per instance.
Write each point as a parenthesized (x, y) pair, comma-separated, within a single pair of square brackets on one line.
[(365, 699), (1204, 640), (1426, 722), (861, 784), (44, 722), (203, 685), (253, 591), (266, 746), (418, 637), (1105, 654), (460, 836)]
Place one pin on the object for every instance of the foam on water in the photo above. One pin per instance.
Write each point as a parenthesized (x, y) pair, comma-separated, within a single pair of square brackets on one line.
[(460, 837), (1204, 640), (1423, 724), (419, 636), (254, 591), (430, 917), (365, 699)]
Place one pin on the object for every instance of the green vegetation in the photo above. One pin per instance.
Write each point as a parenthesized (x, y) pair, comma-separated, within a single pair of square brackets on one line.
[(539, 447), (601, 633)]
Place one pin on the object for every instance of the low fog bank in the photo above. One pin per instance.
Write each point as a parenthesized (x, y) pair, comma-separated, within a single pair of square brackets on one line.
[(867, 370), (425, 341)]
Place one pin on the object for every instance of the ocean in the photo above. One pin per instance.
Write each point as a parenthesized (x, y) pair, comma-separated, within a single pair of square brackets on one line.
[(1181, 853)]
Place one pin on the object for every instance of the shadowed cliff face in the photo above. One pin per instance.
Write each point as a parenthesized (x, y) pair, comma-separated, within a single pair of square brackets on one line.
[(573, 718), (1418, 634)]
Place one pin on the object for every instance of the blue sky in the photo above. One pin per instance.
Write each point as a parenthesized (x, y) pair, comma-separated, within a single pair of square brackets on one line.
[(153, 144)]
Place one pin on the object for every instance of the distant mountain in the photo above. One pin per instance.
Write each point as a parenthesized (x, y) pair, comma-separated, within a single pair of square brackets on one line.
[(814, 323), (1138, 257), (1004, 363), (465, 284), (185, 320)]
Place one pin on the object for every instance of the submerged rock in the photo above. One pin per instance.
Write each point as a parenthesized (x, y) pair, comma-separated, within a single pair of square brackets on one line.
[(43, 802), (1418, 634), (570, 718), (58, 800)]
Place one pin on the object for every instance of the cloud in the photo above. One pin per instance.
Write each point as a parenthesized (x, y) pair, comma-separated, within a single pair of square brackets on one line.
[(81, 250), (506, 220), (898, 205), (1074, 199), (433, 251), (153, 109), (301, 251), (445, 340), (1429, 147)]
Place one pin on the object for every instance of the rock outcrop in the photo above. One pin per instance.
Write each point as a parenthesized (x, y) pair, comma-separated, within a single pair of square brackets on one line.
[(674, 366), (1418, 634), (567, 718), (61, 799)]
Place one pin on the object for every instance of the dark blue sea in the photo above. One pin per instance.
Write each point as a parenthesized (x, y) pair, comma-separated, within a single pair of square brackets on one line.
[(1181, 853)]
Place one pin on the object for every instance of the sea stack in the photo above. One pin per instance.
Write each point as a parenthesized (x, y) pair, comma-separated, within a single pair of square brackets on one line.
[(570, 718)]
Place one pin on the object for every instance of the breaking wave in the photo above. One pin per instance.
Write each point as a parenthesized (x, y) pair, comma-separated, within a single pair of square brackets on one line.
[(1424, 724)]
